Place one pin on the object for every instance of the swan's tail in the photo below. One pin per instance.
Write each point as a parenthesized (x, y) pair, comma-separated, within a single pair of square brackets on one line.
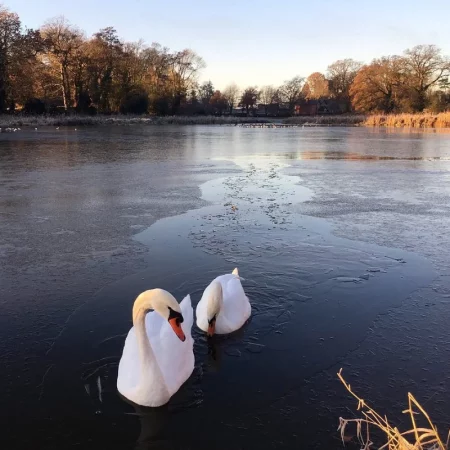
[(236, 273), (187, 311)]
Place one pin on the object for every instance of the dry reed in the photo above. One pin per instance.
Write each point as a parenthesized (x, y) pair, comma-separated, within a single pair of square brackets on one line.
[(420, 120), (417, 438)]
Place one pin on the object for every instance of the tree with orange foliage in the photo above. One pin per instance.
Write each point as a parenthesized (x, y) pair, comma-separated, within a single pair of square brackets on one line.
[(317, 86), (379, 86)]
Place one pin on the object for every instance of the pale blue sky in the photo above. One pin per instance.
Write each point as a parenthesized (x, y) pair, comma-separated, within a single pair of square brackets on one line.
[(259, 41)]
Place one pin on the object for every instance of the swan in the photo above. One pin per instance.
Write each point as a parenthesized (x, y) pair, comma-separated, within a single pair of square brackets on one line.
[(224, 307), (158, 354)]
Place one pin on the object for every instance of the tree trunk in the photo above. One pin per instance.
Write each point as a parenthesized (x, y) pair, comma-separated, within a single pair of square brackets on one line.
[(65, 87), (2, 89), (2, 96)]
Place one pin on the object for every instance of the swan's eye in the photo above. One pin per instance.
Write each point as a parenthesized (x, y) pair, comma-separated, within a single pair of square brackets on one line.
[(211, 321), (175, 315)]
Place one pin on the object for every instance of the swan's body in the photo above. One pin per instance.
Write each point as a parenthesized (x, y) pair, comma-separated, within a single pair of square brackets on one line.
[(155, 362), (224, 307)]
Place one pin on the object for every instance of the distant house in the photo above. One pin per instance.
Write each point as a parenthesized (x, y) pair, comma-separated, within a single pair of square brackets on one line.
[(284, 110), (269, 110), (319, 106), (272, 110), (239, 112)]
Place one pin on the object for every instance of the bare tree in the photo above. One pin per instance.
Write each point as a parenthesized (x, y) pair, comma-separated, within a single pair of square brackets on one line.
[(268, 95), (104, 52), (341, 75), (62, 42), (186, 66), (231, 94), (425, 67), (291, 91)]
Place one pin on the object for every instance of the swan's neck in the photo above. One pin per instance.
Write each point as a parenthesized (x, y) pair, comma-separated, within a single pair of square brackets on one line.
[(215, 300), (151, 374)]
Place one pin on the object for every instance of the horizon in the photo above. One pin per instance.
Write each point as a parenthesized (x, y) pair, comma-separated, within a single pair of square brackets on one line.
[(235, 50)]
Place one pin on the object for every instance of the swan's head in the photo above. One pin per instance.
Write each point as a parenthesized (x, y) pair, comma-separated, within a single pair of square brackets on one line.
[(164, 304), (214, 305)]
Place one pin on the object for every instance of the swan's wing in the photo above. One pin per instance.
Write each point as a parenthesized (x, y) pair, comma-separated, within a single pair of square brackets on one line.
[(237, 308), (129, 365), (175, 358), (129, 371)]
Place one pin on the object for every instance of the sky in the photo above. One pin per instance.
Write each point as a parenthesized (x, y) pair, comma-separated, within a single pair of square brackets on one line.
[(258, 42)]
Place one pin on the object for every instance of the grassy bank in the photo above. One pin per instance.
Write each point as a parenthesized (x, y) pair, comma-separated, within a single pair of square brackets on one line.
[(421, 120), (41, 121)]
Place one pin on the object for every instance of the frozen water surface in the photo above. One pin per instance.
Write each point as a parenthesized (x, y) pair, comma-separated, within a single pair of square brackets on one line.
[(341, 235)]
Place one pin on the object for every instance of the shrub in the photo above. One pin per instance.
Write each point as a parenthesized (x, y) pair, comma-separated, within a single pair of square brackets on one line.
[(34, 106), (135, 102)]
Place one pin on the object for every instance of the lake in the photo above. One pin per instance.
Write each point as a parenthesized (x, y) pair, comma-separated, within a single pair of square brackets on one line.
[(341, 236)]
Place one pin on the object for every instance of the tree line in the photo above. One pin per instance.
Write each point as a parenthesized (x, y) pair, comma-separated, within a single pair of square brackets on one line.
[(57, 68)]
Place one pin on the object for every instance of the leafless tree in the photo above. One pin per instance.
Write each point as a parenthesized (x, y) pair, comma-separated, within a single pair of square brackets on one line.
[(231, 94), (62, 42), (291, 91), (425, 67), (268, 95), (341, 75)]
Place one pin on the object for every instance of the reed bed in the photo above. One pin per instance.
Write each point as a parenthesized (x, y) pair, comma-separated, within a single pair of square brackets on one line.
[(420, 120), (336, 120), (416, 438)]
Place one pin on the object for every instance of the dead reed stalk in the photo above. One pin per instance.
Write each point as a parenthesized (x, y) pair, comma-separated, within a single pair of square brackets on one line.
[(416, 438)]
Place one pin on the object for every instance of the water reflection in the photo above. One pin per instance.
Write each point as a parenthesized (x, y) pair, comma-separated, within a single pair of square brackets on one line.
[(155, 432), (214, 354), (353, 156)]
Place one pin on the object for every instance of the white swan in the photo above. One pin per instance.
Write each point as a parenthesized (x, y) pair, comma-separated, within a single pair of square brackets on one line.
[(224, 307), (158, 354)]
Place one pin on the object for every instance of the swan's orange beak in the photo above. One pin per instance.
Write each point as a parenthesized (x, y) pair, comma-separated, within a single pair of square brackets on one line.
[(176, 327), (211, 328)]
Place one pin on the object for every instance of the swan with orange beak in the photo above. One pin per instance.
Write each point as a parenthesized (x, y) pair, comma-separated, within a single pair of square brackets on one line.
[(158, 354), (224, 307)]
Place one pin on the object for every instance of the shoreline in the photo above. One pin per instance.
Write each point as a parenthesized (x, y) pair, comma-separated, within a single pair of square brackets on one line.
[(14, 123), (398, 121)]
